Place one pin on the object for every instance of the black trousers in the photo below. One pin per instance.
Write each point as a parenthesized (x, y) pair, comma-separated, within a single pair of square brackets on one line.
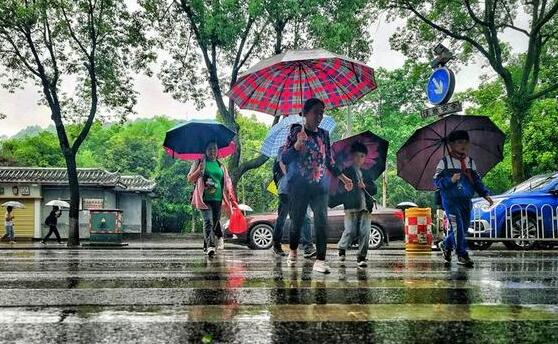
[(52, 229), (299, 200), (211, 223)]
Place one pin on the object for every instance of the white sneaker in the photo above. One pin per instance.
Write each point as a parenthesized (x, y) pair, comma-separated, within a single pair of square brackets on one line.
[(211, 252), (221, 244), (321, 267), (291, 260)]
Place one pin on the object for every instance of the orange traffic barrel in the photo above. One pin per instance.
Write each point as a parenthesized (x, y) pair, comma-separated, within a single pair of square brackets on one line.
[(418, 230)]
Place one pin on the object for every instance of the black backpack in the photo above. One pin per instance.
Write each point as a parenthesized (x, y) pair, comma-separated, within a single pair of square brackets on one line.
[(48, 220)]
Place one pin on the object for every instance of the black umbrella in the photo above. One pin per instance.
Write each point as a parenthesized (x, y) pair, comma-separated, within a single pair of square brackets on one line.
[(419, 156)]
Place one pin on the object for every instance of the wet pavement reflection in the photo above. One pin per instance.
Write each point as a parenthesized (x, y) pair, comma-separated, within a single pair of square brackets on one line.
[(243, 296)]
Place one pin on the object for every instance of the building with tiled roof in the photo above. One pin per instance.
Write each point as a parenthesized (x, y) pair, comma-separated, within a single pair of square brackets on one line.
[(35, 186)]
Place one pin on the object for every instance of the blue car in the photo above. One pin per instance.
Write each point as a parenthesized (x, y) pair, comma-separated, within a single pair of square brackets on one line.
[(523, 217)]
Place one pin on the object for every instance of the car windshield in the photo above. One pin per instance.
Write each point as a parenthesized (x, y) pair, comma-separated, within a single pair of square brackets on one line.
[(534, 183)]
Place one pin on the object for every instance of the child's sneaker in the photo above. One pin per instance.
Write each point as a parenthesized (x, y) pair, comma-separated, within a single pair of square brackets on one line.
[(309, 252), (361, 262), (342, 255), (211, 252), (465, 261), (446, 254), (278, 250), (291, 260), (321, 267), (43, 243)]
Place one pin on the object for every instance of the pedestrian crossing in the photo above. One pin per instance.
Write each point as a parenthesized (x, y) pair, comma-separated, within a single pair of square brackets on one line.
[(243, 296)]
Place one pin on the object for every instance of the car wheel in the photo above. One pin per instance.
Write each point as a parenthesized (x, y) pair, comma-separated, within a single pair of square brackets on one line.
[(376, 238), (525, 229), (260, 237), (479, 245)]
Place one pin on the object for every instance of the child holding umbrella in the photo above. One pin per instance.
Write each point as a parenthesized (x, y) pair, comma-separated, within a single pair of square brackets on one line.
[(308, 156), (358, 204), (457, 179)]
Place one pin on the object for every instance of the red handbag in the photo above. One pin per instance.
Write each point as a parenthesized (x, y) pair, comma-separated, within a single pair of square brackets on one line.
[(237, 222)]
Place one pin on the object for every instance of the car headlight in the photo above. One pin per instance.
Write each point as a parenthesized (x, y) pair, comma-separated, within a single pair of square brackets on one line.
[(483, 205)]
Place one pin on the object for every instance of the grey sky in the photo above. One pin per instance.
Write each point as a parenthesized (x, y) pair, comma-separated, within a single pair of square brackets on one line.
[(22, 110)]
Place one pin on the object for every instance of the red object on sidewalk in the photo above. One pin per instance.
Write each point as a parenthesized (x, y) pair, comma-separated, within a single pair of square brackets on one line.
[(237, 222)]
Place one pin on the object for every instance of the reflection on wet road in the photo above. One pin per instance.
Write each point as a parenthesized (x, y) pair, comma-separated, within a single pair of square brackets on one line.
[(242, 296)]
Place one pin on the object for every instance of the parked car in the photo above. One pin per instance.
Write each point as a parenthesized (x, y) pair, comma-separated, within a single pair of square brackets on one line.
[(387, 225), (527, 212)]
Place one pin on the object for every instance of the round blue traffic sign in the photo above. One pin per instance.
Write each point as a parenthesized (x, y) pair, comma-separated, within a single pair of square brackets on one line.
[(440, 86)]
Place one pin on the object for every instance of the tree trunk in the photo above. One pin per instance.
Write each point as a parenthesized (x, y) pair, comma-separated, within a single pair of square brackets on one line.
[(73, 224), (516, 137)]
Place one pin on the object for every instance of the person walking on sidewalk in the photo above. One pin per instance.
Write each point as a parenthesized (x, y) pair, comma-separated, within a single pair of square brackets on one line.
[(280, 179), (52, 223), (457, 179), (9, 225), (213, 190), (358, 204), (307, 156)]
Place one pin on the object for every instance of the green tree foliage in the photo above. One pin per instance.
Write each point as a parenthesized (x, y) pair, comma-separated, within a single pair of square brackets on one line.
[(86, 46), (227, 36), (477, 28), (136, 148), (393, 113), (540, 132), (252, 187), (172, 211), (41, 149)]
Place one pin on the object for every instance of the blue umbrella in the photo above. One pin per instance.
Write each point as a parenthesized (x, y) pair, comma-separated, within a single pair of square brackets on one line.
[(188, 141), (277, 135)]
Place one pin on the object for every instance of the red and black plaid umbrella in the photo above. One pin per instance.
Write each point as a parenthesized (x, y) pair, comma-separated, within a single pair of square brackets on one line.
[(280, 85)]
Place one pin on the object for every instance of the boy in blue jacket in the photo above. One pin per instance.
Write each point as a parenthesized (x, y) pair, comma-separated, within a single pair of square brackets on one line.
[(457, 179)]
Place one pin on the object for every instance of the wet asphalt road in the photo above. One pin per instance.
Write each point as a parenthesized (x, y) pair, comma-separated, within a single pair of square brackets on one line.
[(241, 296)]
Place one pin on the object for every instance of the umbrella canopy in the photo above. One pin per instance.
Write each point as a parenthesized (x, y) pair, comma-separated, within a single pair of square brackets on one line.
[(58, 203), (277, 135), (281, 84), (374, 163), (419, 156), (13, 204), (188, 141)]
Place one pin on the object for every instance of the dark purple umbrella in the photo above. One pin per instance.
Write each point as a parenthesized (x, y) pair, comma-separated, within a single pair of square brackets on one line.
[(374, 164), (419, 156)]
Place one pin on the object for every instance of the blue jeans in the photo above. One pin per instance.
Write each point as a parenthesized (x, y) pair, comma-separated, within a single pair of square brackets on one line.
[(357, 225), (10, 232), (459, 215)]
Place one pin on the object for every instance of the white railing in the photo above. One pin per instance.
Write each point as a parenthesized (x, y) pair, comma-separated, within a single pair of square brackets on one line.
[(527, 222)]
